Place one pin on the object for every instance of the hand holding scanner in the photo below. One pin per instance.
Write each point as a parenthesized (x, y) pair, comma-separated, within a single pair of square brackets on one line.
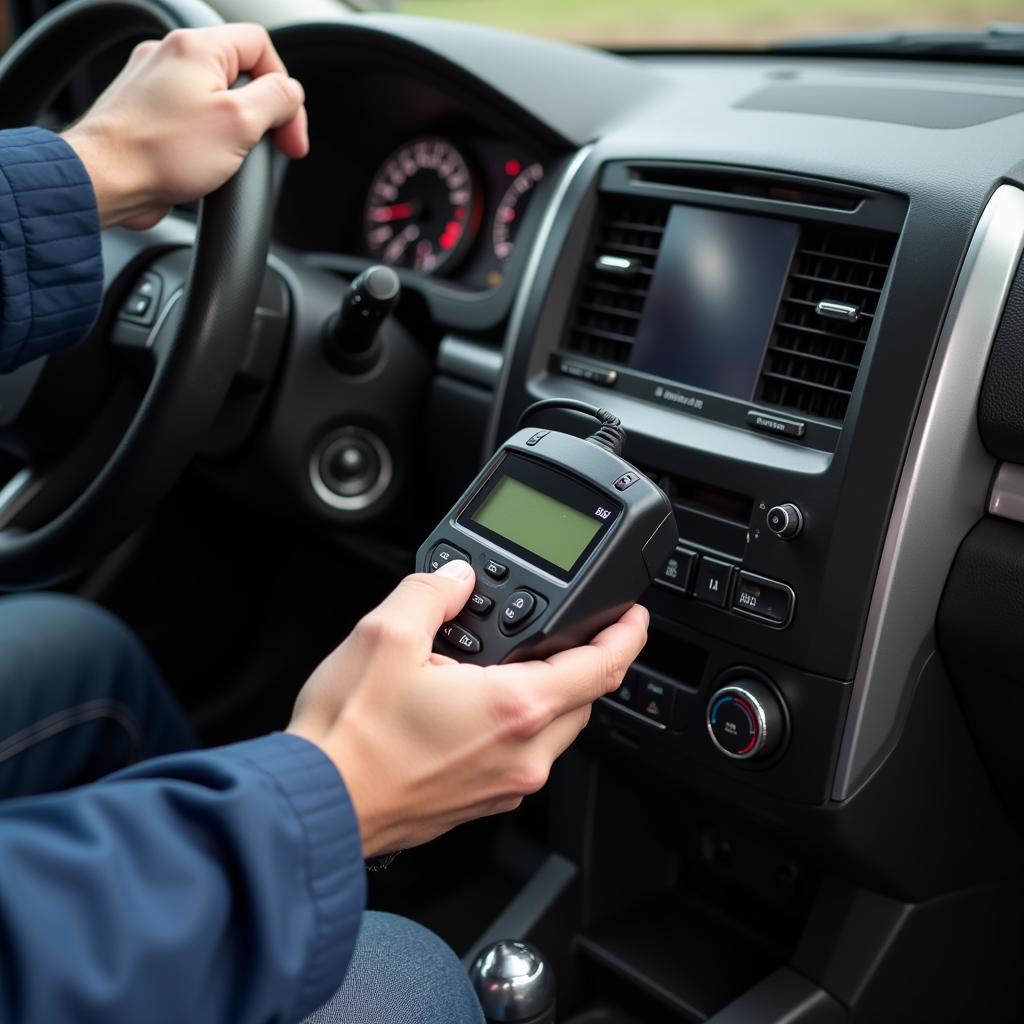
[(564, 535)]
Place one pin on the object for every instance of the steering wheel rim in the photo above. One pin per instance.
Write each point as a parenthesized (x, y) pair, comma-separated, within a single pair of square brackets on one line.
[(212, 316)]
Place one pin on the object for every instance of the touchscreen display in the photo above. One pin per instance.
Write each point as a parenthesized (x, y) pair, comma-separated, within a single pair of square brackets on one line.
[(711, 305), (540, 524)]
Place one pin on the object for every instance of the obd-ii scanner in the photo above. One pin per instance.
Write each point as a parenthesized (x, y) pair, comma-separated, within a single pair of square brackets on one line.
[(564, 535)]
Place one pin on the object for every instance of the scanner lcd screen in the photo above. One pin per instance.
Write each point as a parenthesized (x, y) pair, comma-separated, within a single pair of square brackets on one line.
[(538, 523)]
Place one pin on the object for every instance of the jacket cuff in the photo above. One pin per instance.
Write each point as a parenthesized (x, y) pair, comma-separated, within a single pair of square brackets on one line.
[(313, 787), (51, 260)]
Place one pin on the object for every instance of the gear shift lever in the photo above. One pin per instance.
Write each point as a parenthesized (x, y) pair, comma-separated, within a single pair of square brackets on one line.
[(514, 984)]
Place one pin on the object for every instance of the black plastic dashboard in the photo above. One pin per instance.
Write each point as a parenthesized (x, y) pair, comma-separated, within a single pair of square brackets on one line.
[(882, 210)]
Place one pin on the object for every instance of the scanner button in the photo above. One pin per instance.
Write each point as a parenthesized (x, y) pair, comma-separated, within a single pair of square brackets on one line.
[(480, 604), (494, 569), (460, 638), (626, 480), (444, 553), (534, 438), (517, 611)]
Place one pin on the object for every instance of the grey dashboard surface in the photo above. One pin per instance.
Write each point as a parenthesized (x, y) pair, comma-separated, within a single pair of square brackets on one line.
[(691, 105), (922, 108)]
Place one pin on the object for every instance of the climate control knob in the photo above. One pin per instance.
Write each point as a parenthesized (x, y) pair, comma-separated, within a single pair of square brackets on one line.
[(746, 720), (785, 521)]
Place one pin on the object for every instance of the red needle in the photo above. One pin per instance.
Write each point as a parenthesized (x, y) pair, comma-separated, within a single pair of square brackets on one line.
[(398, 211)]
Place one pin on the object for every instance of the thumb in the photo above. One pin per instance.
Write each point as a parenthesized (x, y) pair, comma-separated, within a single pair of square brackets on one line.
[(418, 606), (456, 580), (270, 101)]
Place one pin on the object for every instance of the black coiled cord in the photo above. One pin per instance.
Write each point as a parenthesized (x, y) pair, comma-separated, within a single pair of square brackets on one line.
[(611, 435)]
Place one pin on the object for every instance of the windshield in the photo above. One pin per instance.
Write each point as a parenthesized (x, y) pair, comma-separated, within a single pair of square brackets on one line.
[(729, 24)]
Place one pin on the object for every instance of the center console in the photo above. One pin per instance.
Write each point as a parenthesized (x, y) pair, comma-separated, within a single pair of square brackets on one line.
[(769, 792), (731, 318)]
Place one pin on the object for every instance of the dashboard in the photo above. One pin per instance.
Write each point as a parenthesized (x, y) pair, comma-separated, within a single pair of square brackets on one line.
[(796, 280), (750, 258)]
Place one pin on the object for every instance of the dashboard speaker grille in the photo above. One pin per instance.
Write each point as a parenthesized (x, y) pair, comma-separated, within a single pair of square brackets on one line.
[(824, 319), (613, 286)]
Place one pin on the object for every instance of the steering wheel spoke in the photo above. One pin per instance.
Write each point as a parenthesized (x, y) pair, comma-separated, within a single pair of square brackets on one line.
[(144, 274), (147, 345)]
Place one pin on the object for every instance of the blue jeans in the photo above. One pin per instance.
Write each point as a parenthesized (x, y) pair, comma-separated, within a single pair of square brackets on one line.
[(401, 974), (80, 697)]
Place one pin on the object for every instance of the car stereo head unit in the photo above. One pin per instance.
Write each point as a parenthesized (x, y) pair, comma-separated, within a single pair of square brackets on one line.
[(712, 299), (752, 305)]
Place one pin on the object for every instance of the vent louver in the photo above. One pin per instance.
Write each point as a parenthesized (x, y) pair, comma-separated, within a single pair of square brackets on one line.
[(616, 276), (824, 319)]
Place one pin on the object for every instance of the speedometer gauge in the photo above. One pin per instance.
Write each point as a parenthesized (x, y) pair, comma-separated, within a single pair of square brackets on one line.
[(422, 210), (510, 210)]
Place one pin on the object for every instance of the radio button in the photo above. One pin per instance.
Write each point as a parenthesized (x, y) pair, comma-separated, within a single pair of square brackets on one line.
[(713, 582), (593, 374), (518, 611), (460, 638), (785, 521), (763, 599), (479, 604), (626, 694), (494, 569), (779, 425), (444, 553), (676, 572), (655, 700)]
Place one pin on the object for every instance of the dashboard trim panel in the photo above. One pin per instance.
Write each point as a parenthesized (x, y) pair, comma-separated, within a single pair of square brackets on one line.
[(527, 287), (943, 491), (1006, 499)]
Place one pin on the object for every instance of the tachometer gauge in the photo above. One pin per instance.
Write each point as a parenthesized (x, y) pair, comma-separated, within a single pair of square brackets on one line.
[(422, 210), (510, 210)]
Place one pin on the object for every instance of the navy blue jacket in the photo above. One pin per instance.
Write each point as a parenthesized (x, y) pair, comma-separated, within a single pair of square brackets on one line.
[(220, 886)]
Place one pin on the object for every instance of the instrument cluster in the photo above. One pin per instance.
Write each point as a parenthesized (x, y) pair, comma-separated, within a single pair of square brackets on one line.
[(411, 172), (439, 207)]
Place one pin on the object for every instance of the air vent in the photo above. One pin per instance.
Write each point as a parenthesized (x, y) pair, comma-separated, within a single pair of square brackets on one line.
[(616, 277), (728, 181), (824, 318)]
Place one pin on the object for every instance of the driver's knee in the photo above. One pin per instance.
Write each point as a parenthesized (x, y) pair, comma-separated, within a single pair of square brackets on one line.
[(79, 696), (401, 973)]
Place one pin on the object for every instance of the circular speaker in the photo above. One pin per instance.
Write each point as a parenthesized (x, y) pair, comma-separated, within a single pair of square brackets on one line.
[(351, 469)]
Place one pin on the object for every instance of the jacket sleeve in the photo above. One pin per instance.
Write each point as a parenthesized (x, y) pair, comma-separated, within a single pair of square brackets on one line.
[(51, 263), (214, 887)]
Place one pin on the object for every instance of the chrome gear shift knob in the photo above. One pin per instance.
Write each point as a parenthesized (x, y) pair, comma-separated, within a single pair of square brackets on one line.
[(514, 983)]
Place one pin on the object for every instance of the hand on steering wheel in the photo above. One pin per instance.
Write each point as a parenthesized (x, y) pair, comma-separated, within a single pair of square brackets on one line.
[(170, 129), (109, 456)]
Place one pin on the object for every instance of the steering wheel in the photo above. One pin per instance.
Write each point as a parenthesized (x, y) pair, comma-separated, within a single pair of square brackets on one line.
[(122, 444)]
